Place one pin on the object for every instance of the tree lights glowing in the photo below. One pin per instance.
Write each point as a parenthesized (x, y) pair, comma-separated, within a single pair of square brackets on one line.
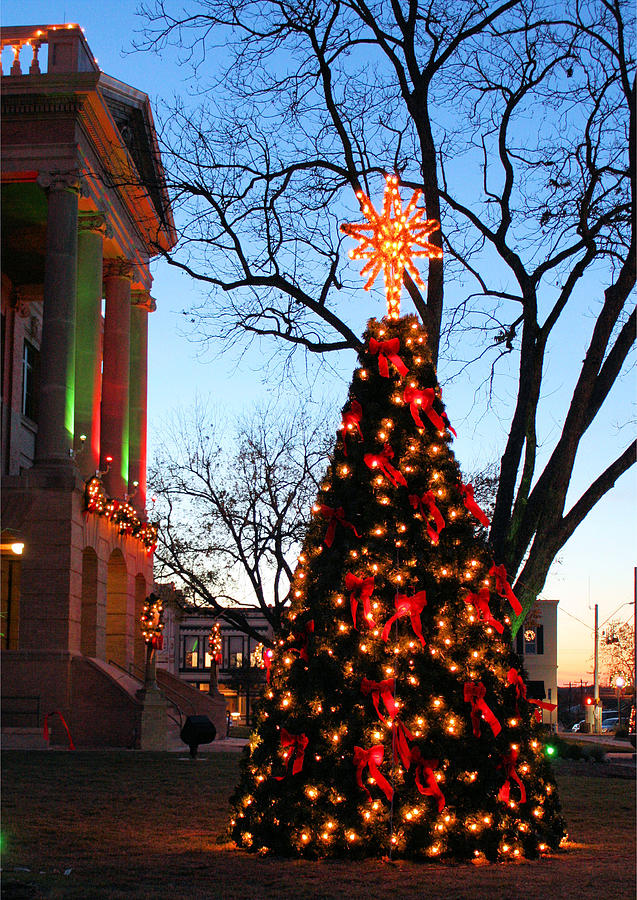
[(395, 233), (395, 720), (151, 622)]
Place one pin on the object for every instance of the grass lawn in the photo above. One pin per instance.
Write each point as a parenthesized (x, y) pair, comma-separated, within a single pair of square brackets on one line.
[(143, 825)]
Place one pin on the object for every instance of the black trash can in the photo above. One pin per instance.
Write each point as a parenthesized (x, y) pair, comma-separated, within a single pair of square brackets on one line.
[(197, 730)]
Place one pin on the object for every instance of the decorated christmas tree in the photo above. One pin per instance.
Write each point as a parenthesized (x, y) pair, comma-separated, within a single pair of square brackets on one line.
[(395, 720)]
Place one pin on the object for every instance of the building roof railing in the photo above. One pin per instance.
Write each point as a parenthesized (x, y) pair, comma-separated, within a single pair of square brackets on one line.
[(68, 50)]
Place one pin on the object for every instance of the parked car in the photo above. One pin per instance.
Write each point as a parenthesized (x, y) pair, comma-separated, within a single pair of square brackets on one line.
[(578, 725), (609, 724)]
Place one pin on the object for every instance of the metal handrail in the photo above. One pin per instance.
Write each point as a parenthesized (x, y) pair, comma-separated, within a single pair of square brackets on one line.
[(130, 672)]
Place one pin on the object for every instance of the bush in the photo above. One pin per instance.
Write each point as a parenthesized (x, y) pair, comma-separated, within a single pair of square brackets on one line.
[(597, 754)]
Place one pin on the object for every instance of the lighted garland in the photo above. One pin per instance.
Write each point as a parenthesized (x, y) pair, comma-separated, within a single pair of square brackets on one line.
[(151, 621), (120, 513), (214, 643)]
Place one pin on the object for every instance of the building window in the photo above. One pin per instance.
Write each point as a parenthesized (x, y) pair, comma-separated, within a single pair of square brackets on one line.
[(530, 640), (30, 366), (235, 651), (191, 652)]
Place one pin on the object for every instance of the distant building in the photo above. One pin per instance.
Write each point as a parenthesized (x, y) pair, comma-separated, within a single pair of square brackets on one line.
[(84, 208), (536, 643), (240, 675)]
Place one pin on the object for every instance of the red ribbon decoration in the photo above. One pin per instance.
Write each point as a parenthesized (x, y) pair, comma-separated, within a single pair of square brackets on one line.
[(503, 587), (351, 421), (297, 743), (360, 589), (481, 603), (448, 424), (267, 664), (508, 764), (467, 495), (515, 679), (474, 693), (408, 606), (426, 506), (301, 639), (157, 641), (422, 401), (425, 767), (372, 758), (400, 735), (381, 461), (335, 517), (381, 690), (45, 730), (387, 352)]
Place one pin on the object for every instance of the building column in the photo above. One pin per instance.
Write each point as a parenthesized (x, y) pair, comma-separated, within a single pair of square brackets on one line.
[(115, 376), (142, 305), (57, 351), (88, 342)]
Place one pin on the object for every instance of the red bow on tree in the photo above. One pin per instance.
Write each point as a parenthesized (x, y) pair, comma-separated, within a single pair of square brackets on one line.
[(481, 603), (296, 744), (425, 767), (360, 589), (422, 401), (335, 517), (400, 735), (372, 758), (351, 421), (381, 461), (515, 679), (387, 352), (381, 689), (301, 640), (408, 606), (467, 495), (507, 763), (426, 506), (474, 693), (503, 587)]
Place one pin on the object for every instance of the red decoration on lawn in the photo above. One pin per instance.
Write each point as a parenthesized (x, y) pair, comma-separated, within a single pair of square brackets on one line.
[(335, 517), (467, 495), (426, 506), (474, 693), (381, 690), (351, 421), (400, 735), (425, 768), (481, 603), (45, 731), (296, 744), (360, 589), (372, 758), (387, 353), (381, 461), (422, 401), (503, 587), (508, 764), (301, 640), (408, 606)]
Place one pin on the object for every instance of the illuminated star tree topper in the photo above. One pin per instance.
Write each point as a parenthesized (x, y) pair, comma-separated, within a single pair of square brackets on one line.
[(395, 233)]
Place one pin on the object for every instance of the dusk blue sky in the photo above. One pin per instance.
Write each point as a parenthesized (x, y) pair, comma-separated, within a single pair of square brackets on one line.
[(597, 564)]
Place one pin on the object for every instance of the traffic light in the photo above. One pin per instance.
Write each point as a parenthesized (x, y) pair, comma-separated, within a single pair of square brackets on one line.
[(589, 701)]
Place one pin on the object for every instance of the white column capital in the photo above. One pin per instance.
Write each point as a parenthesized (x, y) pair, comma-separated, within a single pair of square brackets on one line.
[(54, 180), (141, 299), (118, 268)]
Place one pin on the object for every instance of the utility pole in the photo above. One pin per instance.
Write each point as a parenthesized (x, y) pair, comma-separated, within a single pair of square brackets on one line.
[(597, 719)]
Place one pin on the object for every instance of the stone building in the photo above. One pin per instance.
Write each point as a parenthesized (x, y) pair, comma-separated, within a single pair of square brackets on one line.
[(84, 208)]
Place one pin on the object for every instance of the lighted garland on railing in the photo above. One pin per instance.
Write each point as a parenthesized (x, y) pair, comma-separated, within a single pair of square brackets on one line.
[(151, 622), (120, 512), (214, 643)]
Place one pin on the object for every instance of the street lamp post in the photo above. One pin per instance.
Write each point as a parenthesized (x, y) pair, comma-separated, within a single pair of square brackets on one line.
[(620, 684)]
